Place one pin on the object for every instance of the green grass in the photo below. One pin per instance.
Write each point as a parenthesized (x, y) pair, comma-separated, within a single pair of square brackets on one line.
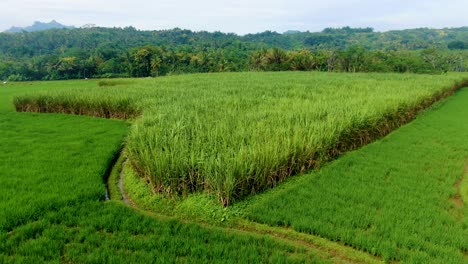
[(52, 191), (42, 154), (204, 209), (95, 233), (399, 198), (235, 134)]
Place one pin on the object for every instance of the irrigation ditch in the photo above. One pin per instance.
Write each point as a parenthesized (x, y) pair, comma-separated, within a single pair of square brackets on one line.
[(112, 166)]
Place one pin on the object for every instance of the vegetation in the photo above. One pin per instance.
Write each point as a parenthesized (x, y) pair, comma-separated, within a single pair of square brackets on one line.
[(374, 199), (403, 197), (106, 52), (236, 134), (52, 192), (204, 208), (198, 139), (358, 59)]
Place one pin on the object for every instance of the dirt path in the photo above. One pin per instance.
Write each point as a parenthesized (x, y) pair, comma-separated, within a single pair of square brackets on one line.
[(121, 187), (457, 199)]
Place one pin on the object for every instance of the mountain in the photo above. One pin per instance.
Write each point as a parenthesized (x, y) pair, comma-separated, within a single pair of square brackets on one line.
[(39, 26), (290, 32)]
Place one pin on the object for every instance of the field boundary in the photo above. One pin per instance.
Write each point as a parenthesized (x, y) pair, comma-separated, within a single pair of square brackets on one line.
[(336, 249), (457, 199), (113, 177)]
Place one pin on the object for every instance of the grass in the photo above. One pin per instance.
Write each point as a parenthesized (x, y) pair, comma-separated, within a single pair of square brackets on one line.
[(203, 209), (233, 135), (43, 153), (52, 206), (402, 198)]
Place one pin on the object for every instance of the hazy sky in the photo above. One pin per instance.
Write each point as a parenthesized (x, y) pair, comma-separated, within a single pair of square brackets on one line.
[(239, 16)]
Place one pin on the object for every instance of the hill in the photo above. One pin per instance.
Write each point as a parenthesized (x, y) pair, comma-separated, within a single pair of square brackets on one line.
[(39, 26)]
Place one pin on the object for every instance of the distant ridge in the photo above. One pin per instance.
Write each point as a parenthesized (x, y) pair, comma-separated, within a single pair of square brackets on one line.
[(39, 26)]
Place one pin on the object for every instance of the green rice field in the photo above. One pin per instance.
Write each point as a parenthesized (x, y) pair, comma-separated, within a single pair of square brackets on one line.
[(380, 164), (53, 208)]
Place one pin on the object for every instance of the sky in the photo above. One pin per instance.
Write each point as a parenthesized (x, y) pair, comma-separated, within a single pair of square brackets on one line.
[(238, 16)]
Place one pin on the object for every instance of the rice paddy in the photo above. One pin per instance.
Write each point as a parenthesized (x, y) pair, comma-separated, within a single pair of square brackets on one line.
[(401, 198), (52, 207)]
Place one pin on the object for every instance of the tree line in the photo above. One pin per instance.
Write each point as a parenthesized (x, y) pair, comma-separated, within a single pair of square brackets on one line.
[(358, 59), (107, 52)]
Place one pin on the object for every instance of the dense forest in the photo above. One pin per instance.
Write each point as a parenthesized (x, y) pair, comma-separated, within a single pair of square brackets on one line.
[(127, 52)]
